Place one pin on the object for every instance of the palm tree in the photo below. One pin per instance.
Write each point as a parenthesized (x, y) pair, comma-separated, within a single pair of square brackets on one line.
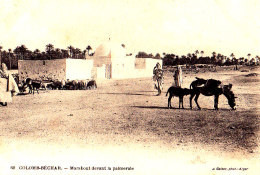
[(213, 58), (64, 53), (58, 53), (22, 50), (36, 54), (196, 52), (36, 51), (88, 48), (249, 56), (257, 58), (49, 49), (71, 51), (202, 53), (77, 53), (233, 60), (232, 55), (241, 60), (157, 56)]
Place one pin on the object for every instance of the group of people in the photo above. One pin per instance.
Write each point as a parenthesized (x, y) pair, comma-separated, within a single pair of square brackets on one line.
[(177, 76)]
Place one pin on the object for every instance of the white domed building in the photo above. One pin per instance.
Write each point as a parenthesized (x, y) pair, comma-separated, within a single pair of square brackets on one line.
[(110, 61)]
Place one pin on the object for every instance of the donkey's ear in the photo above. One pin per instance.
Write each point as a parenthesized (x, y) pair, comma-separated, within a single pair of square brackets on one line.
[(230, 86)]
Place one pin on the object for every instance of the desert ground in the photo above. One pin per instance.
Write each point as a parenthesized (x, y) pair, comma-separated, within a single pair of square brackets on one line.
[(124, 123)]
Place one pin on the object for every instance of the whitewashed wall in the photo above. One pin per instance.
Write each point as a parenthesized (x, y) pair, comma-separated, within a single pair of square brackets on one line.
[(101, 71), (132, 67), (78, 69), (123, 68)]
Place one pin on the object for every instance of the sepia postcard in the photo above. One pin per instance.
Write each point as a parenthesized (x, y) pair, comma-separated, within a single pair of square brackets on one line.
[(131, 87)]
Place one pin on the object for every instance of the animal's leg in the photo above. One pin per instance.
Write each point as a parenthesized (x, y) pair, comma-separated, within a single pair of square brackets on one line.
[(191, 97), (196, 100), (179, 102), (182, 102), (30, 89), (169, 101), (216, 102), (159, 88)]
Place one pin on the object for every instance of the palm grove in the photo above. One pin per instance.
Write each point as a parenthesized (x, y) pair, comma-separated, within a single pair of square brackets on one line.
[(10, 57)]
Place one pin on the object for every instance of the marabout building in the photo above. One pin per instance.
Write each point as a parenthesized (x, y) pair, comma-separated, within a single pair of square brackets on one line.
[(108, 62)]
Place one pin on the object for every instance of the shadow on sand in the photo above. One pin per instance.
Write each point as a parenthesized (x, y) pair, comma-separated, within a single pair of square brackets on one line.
[(157, 107), (22, 93), (147, 91), (128, 94), (187, 108)]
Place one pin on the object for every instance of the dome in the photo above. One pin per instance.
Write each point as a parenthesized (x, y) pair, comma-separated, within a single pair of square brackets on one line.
[(111, 50)]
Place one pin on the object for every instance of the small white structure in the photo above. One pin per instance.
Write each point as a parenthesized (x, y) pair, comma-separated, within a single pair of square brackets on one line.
[(109, 62)]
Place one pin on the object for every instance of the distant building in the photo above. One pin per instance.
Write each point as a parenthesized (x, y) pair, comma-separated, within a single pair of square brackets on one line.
[(109, 62)]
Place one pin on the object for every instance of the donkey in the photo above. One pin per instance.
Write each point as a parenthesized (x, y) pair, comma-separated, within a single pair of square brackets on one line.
[(36, 86), (212, 88), (32, 84), (198, 82), (72, 85), (179, 92), (28, 83), (92, 84)]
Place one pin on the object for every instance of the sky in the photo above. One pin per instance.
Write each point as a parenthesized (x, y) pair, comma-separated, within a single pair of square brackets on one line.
[(153, 26)]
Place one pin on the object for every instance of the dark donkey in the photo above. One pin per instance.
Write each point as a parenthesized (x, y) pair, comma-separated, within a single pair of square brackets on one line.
[(32, 84), (212, 88), (178, 92), (197, 82)]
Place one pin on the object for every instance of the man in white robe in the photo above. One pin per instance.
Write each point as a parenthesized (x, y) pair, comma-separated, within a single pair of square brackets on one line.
[(8, 86), (178, 77)]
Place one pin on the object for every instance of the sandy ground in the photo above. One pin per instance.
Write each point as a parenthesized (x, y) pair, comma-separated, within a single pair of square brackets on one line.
[(123, 123)]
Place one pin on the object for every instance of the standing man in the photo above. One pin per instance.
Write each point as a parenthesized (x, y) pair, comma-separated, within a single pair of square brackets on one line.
[(178, 77), (156, 69), (157, 73)]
